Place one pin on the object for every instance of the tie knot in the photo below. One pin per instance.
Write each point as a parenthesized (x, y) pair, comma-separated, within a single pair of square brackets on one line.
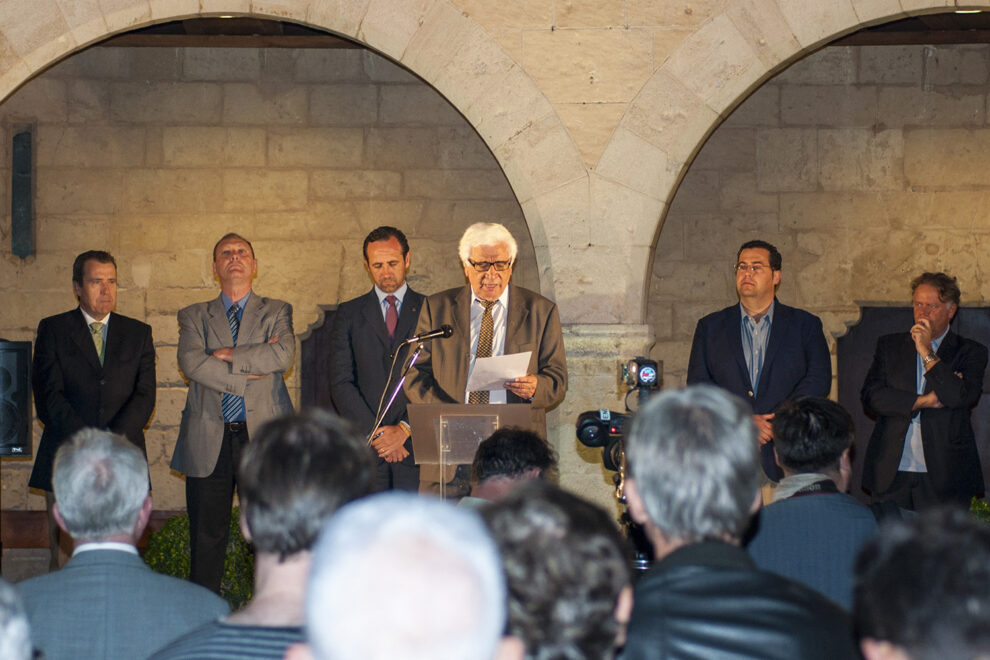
[(487, 304), (95, 327), (391, 300), (233, 310)]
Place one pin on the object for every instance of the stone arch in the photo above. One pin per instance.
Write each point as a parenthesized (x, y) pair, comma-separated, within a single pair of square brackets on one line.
[(432, 38), (707, 76)]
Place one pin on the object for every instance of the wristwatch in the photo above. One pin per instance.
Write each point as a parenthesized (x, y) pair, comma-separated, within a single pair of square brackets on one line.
[(931, 357)]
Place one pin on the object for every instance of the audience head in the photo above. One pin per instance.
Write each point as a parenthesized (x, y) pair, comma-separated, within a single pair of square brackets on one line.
[(922, 589), (510, 456), (811, 434), (694, 466), (402, 577), (295, 472), (567, 572), (15, 634), (101, 486)]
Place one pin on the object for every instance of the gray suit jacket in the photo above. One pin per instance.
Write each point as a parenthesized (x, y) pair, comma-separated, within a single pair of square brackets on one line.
[(109, 604), (203, 328)]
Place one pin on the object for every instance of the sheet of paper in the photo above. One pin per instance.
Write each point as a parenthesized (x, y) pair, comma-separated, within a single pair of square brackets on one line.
[(490, 373)]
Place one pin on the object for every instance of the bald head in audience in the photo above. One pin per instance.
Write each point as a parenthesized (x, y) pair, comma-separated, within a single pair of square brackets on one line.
[(397, 576)]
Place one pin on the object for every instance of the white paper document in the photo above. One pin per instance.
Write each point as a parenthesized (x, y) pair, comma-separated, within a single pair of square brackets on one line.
[(490, 373)]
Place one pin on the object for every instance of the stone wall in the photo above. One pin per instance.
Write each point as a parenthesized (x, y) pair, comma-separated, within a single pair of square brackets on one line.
[(864, 165), (154, 153)]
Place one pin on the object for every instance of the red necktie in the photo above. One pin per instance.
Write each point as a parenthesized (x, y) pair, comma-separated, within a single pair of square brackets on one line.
[(391, 316)]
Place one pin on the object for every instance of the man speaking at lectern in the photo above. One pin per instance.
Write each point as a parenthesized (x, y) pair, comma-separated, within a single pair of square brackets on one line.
[(490, 317)]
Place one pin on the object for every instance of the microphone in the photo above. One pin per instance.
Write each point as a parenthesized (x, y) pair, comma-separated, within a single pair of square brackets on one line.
[(443, 331)]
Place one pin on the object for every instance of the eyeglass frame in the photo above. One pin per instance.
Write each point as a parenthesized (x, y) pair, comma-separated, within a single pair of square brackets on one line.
[(488, 265), (756, 269)]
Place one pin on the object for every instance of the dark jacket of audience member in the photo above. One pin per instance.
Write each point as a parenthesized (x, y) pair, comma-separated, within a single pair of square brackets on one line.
[(106, 602), (693, 485), (813, 529)]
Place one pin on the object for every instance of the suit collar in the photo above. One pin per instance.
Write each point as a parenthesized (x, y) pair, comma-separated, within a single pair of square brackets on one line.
[(516, 316), (372, 312)]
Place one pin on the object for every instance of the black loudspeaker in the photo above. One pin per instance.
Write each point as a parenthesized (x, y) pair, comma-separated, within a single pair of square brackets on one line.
[(22, 192), (15, 398)]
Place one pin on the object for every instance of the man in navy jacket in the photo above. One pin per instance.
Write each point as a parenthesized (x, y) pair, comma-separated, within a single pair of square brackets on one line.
[(761, 349)]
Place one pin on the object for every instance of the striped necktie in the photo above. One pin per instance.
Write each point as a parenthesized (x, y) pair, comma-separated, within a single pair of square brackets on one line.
[(231, 404), (96, 328), (484, 345)]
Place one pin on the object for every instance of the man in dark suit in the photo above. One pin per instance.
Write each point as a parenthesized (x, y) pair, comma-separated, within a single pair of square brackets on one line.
[(490, 317), (92, 367), (233, 350), (921, 387), (106, 603), (761, 349), (367, 332)]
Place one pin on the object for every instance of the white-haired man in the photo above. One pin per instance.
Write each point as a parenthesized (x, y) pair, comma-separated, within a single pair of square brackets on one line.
[(694, 484), (105, 602), (396, 576), (490, 317)]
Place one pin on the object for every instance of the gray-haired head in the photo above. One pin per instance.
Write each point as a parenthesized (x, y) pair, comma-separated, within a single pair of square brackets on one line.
[(694, 456), (486, 233), (15, 633), (100, 483), (428, 570)]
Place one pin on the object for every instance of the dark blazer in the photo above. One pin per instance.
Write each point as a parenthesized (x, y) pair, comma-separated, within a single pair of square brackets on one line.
[(889, 392), (797, 362), (73, 391), (109, 604), (814, 540), (360, 357), (532, 324)]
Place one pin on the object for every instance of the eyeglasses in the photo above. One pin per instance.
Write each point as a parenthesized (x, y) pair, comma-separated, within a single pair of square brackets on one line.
[(756, 269), (484, 266)]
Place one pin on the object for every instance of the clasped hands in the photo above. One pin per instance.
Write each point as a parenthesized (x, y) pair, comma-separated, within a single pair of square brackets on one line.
[(389, 443), (227, 355)]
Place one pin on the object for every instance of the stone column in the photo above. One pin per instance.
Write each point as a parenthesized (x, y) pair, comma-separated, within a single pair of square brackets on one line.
[(594, 354)]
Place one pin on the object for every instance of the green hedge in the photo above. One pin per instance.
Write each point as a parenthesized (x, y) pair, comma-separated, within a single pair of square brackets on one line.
[(168, 553)]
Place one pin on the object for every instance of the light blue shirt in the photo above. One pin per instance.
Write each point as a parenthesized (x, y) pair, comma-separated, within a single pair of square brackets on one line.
[(913, 456), (399, 294), (755, 339)]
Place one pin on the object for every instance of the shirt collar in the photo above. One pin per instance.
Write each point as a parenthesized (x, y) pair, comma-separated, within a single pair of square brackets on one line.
[(105, 545), (90, 320), (768, 315), (399, 294), (227, 302), (504, 298), (938, 342)]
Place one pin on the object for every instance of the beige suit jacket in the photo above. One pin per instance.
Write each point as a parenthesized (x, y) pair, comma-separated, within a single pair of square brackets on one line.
[(203, 328)]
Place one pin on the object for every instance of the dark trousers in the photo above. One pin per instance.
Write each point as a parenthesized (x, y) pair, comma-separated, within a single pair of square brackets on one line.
[(914, 491), (209, 500), (403, 475)]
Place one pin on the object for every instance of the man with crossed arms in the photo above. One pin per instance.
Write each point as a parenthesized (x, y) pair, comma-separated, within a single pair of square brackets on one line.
[(234, 350)]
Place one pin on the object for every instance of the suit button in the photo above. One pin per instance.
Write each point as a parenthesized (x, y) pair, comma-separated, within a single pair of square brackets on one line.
[(103, 382)]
